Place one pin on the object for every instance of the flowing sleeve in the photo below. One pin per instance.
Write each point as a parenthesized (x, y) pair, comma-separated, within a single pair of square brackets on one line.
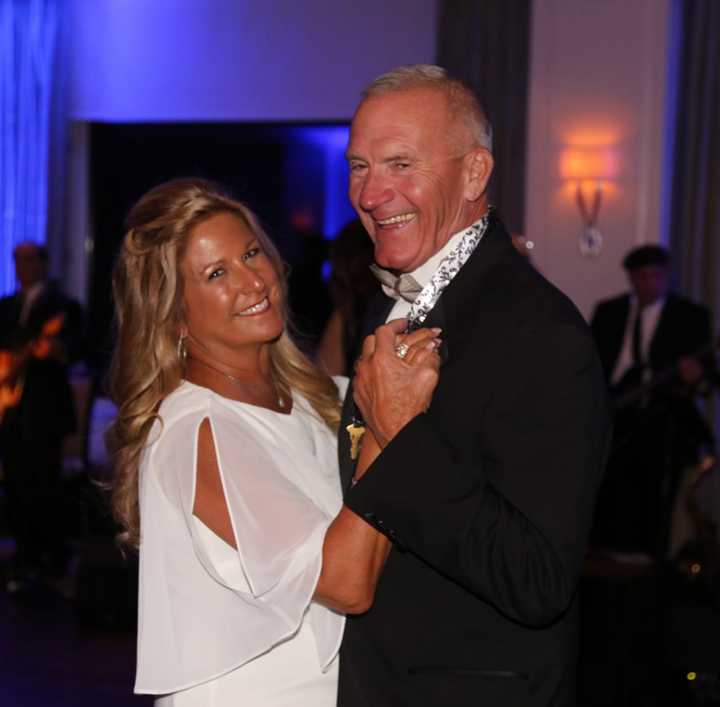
[(237, 604), (278, 530)]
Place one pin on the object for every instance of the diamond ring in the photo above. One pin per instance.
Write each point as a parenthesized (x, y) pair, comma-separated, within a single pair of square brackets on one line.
[(401, 350)]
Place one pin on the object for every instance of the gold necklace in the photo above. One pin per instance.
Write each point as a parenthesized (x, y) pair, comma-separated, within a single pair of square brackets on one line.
[(238, 381)]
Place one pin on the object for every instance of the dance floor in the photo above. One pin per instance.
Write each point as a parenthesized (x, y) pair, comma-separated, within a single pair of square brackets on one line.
[(47, 659), (54, 653)]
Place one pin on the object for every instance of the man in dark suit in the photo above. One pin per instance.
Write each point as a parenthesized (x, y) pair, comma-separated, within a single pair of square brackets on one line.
[(40, 333), (485, 484), (36, 302), (656, 351)]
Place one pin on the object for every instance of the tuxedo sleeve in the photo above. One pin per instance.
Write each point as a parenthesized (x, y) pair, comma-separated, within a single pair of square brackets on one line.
[(519, 549)]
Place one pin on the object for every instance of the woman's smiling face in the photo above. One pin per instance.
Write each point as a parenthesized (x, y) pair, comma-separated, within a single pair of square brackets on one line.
[(232, 294)]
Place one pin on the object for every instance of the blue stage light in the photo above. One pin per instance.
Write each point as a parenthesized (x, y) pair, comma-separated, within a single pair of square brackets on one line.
[(28, 32)]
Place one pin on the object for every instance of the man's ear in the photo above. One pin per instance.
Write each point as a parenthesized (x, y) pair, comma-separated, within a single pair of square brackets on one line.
[(479, 167)]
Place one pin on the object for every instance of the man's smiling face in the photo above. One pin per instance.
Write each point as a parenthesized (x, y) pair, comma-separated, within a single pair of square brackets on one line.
[(409, 175)]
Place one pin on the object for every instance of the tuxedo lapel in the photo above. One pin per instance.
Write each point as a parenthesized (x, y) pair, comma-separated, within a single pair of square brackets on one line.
[(347, 465), (462, 301), (378, 313), (665, 328)]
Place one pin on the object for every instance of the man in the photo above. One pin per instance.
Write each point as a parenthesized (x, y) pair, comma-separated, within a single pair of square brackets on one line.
[(37, 302), (671, 329), (487, 495), (656, 350), (40, 332)]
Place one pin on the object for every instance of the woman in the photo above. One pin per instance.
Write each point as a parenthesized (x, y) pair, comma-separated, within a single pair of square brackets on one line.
[(226, 464)]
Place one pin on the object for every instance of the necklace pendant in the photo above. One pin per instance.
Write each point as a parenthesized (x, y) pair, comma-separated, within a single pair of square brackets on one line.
[(355, 431)]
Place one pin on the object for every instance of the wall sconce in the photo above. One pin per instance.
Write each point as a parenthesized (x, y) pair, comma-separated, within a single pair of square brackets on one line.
[(590, 171)]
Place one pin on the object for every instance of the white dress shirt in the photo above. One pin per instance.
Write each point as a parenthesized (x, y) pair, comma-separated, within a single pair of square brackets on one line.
[(650, 317), (424, 274), (29, 298)]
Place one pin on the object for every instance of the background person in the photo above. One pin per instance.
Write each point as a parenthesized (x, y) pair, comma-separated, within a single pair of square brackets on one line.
[(656, 350), (40, 335)]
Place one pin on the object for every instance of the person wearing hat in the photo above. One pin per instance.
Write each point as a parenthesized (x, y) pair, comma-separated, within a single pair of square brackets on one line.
[(656, 351)]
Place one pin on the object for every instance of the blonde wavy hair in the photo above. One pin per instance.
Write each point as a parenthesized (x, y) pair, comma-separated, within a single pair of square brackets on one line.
[(148, 293)]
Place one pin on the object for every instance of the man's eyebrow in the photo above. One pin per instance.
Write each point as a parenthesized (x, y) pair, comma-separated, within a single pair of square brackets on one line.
[(390, 158), (398, 156)]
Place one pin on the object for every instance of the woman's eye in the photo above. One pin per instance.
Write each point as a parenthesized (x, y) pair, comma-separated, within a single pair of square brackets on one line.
[(216, 273), (251, 253)]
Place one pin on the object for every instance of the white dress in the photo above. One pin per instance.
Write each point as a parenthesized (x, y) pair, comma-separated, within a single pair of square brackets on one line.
[(219, 626)]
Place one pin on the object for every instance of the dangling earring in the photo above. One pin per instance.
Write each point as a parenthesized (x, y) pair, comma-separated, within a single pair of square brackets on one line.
[(182, 350)]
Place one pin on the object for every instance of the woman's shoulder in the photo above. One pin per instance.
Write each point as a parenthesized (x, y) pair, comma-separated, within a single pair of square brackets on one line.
[(172, 440), (182, 411), (186, 400)]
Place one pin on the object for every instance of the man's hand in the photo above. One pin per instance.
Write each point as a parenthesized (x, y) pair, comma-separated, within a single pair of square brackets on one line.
[(389, 390)]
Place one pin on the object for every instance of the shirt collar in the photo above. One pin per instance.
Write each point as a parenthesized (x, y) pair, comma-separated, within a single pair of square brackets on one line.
[(424, 273), (656, 306), (34, 291)]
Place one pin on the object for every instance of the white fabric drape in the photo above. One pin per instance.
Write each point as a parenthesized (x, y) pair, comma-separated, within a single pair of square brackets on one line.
[(28, 33)]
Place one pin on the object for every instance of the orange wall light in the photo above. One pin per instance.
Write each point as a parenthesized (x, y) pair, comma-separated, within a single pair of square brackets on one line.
[(589, 173)]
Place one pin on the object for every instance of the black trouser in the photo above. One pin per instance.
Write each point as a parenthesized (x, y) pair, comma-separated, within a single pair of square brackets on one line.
[(34, 502)]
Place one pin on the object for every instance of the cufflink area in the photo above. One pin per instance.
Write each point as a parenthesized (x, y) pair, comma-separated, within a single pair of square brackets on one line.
[(379, 524)]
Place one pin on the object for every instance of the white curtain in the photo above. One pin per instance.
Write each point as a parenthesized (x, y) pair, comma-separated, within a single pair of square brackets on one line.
[(28, 33)]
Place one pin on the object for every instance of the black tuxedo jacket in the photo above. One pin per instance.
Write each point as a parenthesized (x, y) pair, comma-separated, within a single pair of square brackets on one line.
[(684, 328), (488, 499)]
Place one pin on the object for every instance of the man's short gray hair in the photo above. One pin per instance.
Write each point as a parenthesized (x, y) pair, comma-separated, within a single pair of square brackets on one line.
[(463, 103)]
